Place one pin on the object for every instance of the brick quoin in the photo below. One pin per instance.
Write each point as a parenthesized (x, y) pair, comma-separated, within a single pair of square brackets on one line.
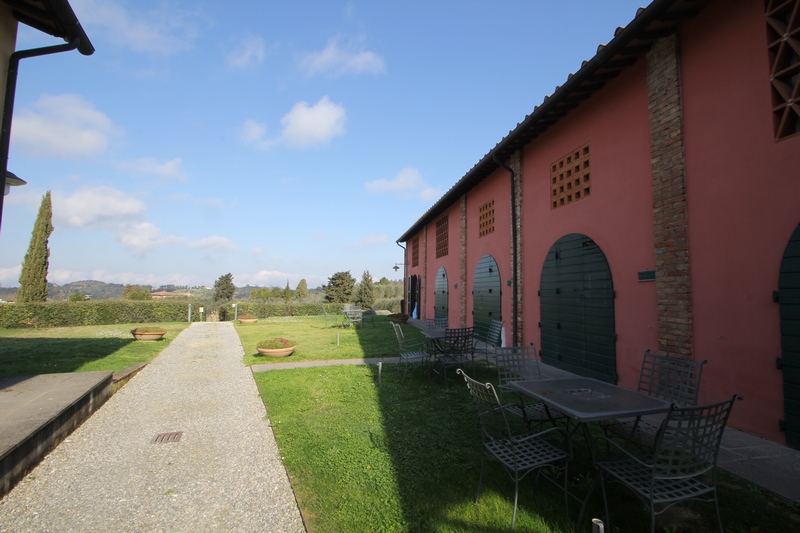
[(462, 269), (516, 166), (673, 281)]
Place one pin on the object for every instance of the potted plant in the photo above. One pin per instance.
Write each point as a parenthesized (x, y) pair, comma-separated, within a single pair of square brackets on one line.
[(277, 347), (248, 319), (148, 333)]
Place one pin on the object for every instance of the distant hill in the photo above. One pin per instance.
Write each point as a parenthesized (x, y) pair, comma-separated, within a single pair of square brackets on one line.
[(96, 290)]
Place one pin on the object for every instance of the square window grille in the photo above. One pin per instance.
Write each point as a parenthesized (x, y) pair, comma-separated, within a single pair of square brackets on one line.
[(486, 219), (415, 251), (441, 237), (783, 44), (570, 178)]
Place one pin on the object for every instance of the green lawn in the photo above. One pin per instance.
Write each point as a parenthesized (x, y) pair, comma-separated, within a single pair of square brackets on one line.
[(26, 352), (318, 340), (405, 457)]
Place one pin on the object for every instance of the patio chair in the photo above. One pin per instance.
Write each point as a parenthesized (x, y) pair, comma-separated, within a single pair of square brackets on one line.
[(369, 316), (410, 351), (328, 318), (686, 447), (519, 454), (520, 363), (668, 378), (488, 343), (436, 323), (456, 349)]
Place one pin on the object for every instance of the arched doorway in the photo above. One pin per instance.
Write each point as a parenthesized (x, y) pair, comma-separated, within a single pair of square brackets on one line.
[(789, 300), (577, 309), (486, 295), (440, 309), (414, 286)]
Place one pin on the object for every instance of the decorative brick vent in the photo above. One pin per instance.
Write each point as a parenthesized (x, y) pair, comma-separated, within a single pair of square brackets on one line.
[(570, 178), (415, 251), (441, 237), (783, 42), (486, 219)]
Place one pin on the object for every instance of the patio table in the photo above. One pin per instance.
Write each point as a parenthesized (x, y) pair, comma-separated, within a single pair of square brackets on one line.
[(587, 400)]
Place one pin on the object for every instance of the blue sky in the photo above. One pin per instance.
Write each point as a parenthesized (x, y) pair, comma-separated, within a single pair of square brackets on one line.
[(273, 140)]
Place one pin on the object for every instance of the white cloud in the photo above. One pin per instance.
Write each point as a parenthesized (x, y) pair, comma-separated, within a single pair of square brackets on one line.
[(61, 276), (306, 125), (369, 241), (143, 237), (213, 244), (254, 133), (63, 125), (249, 51), (10, 276), (408, 182), (97, 207), (149, 166), (159, 32), (112, 210), (303, 126), (336, 61)]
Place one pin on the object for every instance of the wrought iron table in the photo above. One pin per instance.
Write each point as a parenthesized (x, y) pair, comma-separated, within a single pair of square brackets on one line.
[(586, 400)]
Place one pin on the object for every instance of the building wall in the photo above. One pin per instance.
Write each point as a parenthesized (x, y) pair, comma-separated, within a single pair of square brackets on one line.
[(743, 190), (740, 208), (617, 215), (497, 244)]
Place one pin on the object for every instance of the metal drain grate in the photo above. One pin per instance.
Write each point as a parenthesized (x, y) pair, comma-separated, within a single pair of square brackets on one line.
[(161, 438)]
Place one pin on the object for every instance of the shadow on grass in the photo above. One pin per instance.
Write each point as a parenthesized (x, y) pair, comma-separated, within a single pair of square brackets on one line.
[(31, 356)]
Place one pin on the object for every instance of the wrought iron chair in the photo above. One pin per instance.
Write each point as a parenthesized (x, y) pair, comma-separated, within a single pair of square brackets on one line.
[(327, 316), (411, 351), (436, 323), (488, 344), (456, 349), (686, 447), (520, 363), (519, 454), (668, 378)]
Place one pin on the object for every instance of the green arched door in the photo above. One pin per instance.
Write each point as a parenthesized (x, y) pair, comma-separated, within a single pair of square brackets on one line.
[(486, 295), (789, 300), (440, 309), (577, 309)]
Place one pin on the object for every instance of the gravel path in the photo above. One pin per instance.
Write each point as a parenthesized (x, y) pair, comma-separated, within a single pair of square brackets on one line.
[(224, 474)]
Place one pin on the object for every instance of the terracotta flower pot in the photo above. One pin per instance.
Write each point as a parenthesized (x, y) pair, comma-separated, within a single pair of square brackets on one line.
[(148, 335), (248, 320), (277, 352)]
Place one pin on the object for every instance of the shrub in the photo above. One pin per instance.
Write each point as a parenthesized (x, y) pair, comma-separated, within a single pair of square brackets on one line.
[(275, 344)]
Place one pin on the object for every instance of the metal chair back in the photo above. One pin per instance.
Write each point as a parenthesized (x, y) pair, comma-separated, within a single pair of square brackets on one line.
[(516, 363), (671, 379), (458, 341), (687, 444), (492, 418)]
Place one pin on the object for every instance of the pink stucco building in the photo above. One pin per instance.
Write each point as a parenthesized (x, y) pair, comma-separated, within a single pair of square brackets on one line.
[(652, 201)]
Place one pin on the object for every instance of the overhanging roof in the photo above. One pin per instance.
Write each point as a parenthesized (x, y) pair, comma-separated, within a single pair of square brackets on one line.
[(656, 21), (54, 17)]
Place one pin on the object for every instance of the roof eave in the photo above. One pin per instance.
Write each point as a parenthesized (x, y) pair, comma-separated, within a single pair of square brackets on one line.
[(54, 17)]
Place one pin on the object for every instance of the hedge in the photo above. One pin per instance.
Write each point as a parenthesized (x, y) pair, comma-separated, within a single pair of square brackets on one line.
[(101, 312), (94, 313)]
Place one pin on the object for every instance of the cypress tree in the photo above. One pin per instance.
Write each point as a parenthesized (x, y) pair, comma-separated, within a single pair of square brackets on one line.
[(33, 279)]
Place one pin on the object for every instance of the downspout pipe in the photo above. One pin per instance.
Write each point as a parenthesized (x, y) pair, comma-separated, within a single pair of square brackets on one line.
[(8, 103), (514, 251), (405, 277)]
